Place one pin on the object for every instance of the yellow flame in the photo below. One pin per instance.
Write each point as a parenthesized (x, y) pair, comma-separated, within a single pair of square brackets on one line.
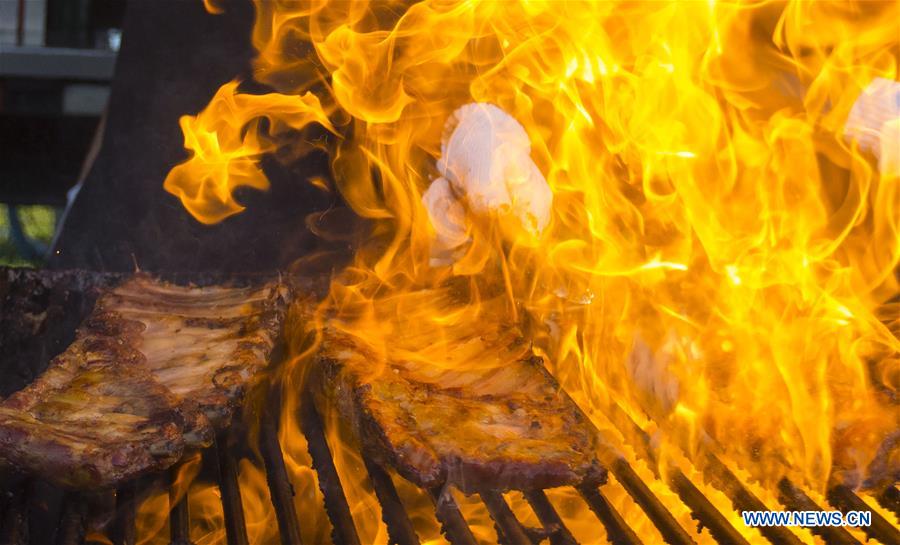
[(226, 141), (717, 254)]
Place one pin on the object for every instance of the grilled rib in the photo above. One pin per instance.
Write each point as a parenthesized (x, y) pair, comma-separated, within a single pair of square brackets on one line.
[(206, 345), (502, 425), (96, 416), (154, 369)]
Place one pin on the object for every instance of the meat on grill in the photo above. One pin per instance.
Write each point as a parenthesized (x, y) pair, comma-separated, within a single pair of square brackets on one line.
[(39, 312), (96, 416), (502, 425), (204, 344), (154, 369)]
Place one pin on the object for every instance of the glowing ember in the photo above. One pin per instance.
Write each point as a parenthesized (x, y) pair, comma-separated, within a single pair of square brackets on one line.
[(715, 255)]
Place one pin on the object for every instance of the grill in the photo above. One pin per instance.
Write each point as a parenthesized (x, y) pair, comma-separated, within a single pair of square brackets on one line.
[(145, 226), (33, 512)]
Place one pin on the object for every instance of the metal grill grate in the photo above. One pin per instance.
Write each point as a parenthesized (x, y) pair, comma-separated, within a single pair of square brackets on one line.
[(31, 512), (553, 530)]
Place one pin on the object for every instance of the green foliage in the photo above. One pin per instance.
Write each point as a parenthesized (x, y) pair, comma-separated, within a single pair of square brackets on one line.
[(39, 223)]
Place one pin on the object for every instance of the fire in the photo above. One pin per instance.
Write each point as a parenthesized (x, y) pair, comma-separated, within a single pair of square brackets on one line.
[(226, 141), (718, 253)]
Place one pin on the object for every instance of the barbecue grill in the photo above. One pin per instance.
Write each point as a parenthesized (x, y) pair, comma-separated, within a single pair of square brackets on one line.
[(148, 229), (35, 512)]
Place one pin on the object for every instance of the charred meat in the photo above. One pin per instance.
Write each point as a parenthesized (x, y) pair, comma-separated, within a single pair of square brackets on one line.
[(504, 424), (206, 345), (39, 312), (96, 416), (154, 369)]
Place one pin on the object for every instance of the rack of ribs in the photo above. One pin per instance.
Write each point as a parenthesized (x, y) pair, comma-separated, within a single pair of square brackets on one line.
[(156, 368), (499, 423)]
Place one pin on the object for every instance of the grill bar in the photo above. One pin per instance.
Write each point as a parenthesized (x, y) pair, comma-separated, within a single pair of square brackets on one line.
[(617, 532), (744, 500), (123, 529), (890, 500), (841, 497), (797, 500), (559, 534), (67, 525), (15, 520), (179, 514), (509, 530), (44, 509), (344, 531), (235, 526), (70, 530), (71, 526), (400, 529), (452, 522), (280, 488), (672, 533), (701, 508), (704, 511)]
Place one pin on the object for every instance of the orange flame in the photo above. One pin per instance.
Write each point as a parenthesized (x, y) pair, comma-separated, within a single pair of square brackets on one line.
[(226, 141), (213, 7), (717, 254)]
